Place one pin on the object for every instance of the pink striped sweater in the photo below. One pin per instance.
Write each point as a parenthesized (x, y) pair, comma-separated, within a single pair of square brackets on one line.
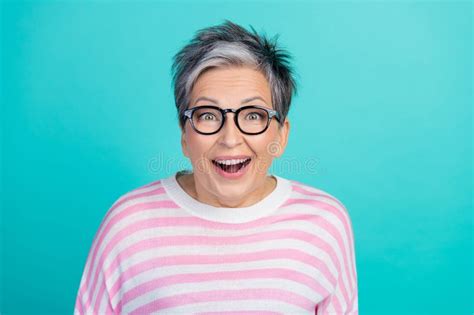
[(158, 250)]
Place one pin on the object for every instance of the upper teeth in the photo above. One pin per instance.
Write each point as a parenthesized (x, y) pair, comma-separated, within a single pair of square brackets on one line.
[(231, 162)]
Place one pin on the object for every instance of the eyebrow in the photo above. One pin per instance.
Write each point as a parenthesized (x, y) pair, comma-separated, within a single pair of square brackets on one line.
[(249, 99), (203, 98), (253, 99)]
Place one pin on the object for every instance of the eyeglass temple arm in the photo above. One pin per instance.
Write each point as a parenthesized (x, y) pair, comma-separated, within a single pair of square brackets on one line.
[(187, 113), (272, 113)]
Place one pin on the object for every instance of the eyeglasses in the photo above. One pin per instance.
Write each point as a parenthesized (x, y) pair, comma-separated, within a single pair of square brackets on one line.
[(251, 120)]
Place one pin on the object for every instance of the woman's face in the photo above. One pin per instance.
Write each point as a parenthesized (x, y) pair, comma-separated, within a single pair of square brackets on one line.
[(232, 87)]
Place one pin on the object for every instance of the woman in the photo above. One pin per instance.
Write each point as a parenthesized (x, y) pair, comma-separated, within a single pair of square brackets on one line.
[(226, 237)]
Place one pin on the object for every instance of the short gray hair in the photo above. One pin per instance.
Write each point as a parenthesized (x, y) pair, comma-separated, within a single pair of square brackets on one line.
[(230, 44)]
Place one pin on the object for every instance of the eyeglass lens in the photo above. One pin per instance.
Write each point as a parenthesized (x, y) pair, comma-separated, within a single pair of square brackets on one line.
[(251, 120)]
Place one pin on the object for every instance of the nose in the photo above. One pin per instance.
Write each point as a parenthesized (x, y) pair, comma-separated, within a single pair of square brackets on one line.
[(230, 135)]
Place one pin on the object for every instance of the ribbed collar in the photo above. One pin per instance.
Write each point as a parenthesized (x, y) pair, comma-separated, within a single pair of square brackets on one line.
[(258, 210)]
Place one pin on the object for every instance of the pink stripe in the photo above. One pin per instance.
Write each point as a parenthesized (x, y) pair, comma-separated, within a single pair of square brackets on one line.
[(84, 304), (241, 226), (193, 221), (148, 185), (303, 191), (298, 187), (337, 304), (225, 295), (157, 242), (102, 295), (122, 233), (172, 241), (130, 196), (101, 230), (354, 296), (241, 313), (167, 241), (181, 221), (190, 240), (306, 192), (135, 270), (222, 275), (274, 273), (334, 301), (328, 226), (109, 309), (78, 307), (335, 233)]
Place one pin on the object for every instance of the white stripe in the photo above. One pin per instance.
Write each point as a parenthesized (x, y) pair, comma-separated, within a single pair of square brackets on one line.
[(330, 309), (237, 305), (161, 272), (297, 225), (290, 209), (100, 281), (121, 208), (133, 219), (341, 299), (153, 253), (153, 233), (188, 288), (104, 302), (179, 250), (107, 237), (189, 250), (337, 223), (310, 249)]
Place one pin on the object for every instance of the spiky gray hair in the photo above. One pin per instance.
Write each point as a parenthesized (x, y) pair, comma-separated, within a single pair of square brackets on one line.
[(230, 44)]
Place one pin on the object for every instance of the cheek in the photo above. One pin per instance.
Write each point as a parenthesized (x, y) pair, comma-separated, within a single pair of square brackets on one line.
[(198, 146), (200, 149), (265, 148), (268, 144)]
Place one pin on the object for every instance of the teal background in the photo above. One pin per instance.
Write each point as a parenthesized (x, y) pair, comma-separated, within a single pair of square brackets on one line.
[(382, 120)]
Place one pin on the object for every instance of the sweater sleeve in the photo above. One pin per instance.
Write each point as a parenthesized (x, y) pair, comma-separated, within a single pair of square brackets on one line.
[(344, 298), (90, 302), (93, 294), (337, 304)]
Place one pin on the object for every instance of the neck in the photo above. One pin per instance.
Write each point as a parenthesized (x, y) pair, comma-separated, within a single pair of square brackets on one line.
[(188, 183)]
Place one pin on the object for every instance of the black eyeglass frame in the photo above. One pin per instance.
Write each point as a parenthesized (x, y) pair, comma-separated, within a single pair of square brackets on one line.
[(188, 114)]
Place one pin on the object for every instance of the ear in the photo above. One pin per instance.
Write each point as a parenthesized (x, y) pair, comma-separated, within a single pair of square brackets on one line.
[(184, 146), (284, 132)]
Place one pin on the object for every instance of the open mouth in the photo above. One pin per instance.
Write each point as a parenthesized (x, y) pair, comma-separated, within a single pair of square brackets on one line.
[(231, 166)]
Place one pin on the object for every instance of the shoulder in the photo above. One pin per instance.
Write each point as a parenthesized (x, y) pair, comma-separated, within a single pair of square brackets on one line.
[(317, 198), (147, 189), (133, 204), (137, 197), (334, 215), (129, 210)]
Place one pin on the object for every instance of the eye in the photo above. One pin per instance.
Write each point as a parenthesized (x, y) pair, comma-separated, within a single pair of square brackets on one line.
[(254, 116), (207, 116)]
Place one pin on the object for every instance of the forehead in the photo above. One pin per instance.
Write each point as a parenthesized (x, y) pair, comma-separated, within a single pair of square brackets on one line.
[(231, 82)]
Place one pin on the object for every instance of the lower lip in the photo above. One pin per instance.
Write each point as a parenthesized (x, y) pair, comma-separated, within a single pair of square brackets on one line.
[(235, 175)]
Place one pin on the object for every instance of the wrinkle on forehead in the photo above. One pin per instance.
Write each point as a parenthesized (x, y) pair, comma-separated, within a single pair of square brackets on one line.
[(233, 84)]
